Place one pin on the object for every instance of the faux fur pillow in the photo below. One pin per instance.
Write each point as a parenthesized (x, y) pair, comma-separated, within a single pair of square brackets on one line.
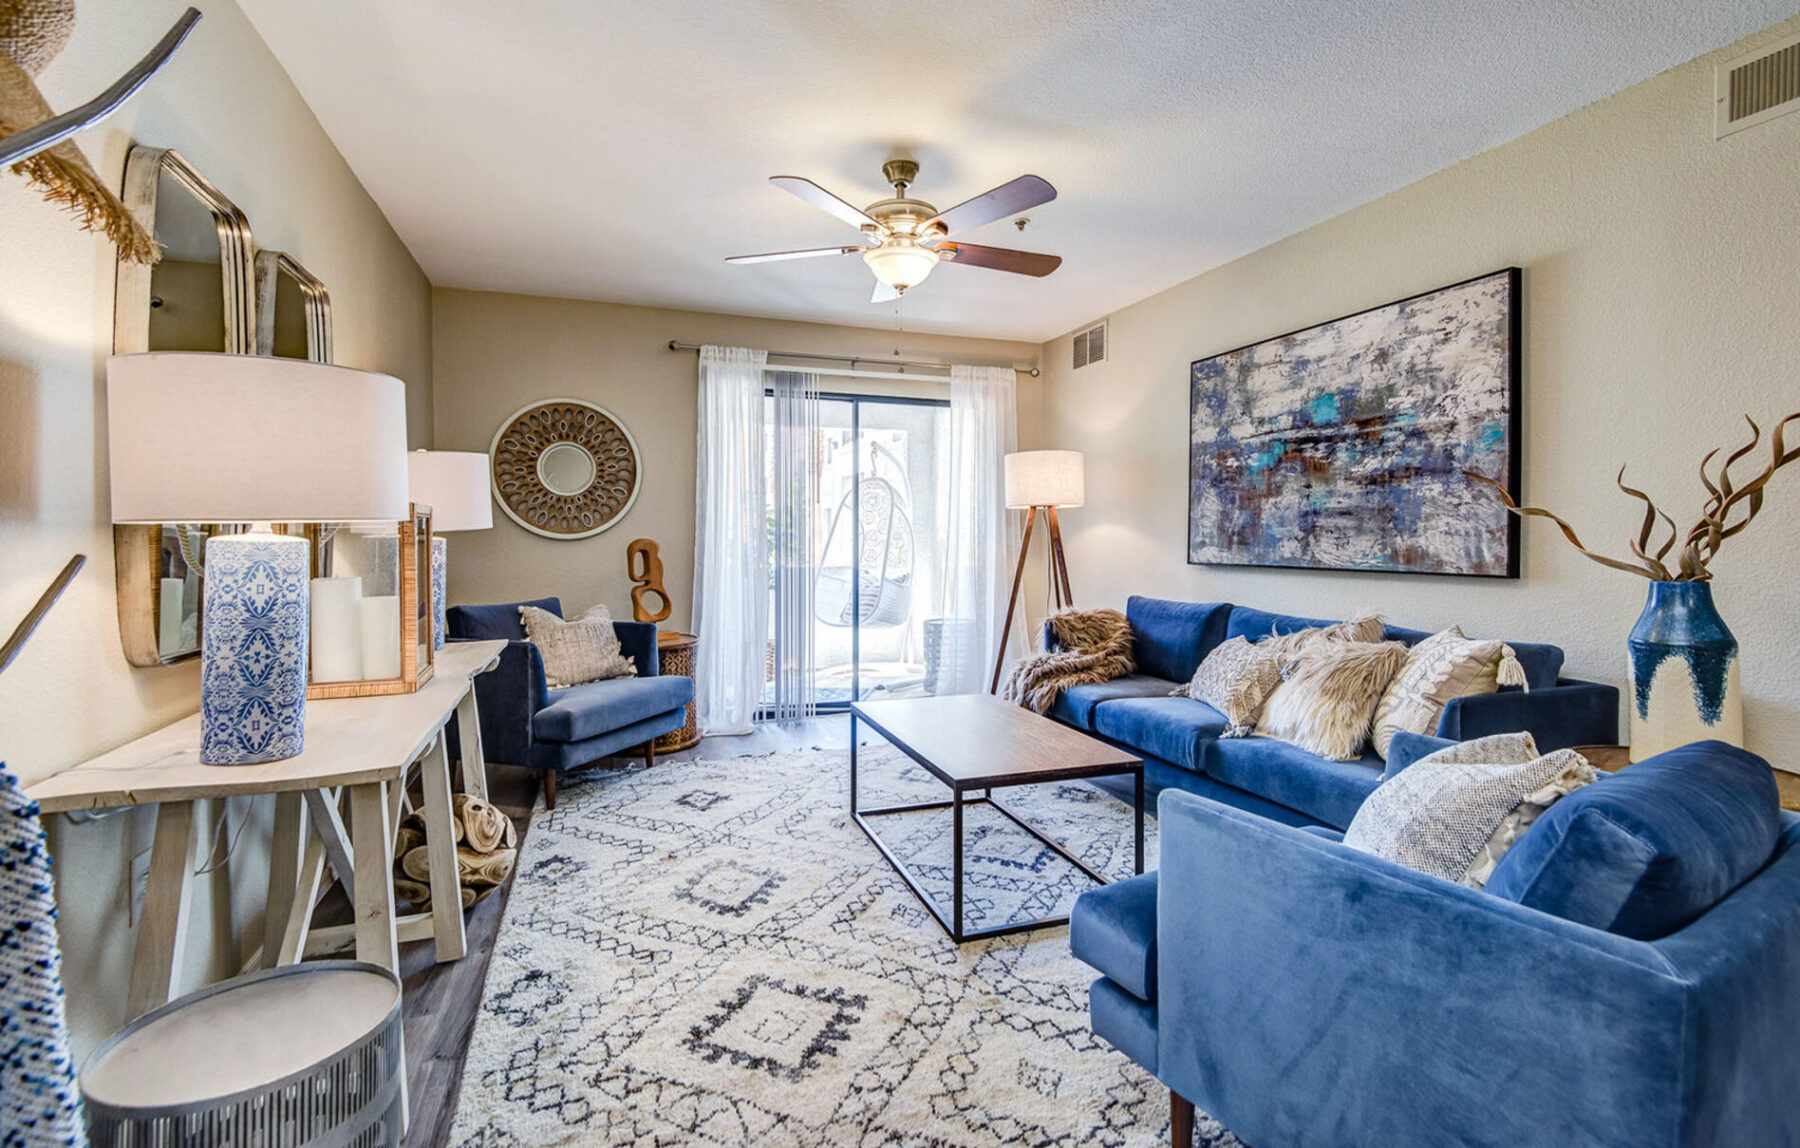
[(1363, 628), (1456, 812), (1328, 699), (1236, 679), (584, 649)]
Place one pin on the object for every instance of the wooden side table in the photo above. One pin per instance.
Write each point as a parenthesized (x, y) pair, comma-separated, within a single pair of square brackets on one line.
[(1613, 758), (675, 655)]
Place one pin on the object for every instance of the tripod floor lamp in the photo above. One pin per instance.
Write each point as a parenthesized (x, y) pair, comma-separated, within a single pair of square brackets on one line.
[(1040, 480)]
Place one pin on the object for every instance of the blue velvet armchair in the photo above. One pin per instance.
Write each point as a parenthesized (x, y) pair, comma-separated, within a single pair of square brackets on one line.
[(525, 722), (1307, 993)]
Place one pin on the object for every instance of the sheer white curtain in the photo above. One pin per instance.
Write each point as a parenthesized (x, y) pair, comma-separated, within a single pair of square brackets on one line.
[(731, 541), (794, 473), (980, 537)]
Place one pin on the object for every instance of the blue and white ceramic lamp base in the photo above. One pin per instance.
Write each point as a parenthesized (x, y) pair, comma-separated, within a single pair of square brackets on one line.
[(440, 575), (253, 648), (1684, 672)]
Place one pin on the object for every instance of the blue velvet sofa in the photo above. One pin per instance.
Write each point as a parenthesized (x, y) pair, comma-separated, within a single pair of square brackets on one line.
[(1178, 738), (1630, 976), (525, 722)]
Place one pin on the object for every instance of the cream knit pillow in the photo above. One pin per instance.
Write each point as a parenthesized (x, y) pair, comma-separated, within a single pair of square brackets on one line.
[(584, 649), (1329, 696), (1236, 679), (1438, 670)]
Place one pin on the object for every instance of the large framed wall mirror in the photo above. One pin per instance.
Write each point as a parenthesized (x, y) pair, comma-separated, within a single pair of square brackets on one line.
[(211, 291), (293, 310)]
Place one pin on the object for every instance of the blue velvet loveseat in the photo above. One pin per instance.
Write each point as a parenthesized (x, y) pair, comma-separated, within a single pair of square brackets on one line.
[(525, 722), (1630, 976), (1178, 738)]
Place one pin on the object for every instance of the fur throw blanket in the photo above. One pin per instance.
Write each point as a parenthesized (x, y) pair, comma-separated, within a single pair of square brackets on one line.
[(1093, 646)]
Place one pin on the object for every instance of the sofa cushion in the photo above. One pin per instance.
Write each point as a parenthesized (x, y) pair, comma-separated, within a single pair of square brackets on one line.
[(1174, 729), (1123, 1021), (1274, 770), (1170, 638), (1113, 928), (486, 623), (1259, 624), (581, 712), (1647, 850), (1076, 705)]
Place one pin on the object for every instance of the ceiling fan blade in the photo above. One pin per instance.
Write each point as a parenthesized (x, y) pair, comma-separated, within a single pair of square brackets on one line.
[(1002, 258), (883, 293), (1022, 194), (820, 198), (778, 256)]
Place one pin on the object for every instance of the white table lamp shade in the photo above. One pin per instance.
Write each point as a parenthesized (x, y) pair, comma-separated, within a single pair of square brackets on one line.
[(247, 438), (1045, 478), (454, 483)]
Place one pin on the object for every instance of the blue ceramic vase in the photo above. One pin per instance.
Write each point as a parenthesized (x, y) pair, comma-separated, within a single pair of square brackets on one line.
[(1684, 672)]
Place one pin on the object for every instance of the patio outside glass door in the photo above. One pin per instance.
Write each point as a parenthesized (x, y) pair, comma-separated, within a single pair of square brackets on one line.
[(876, 531)]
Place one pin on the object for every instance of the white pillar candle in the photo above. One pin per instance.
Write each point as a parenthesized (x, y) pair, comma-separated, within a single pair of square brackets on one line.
[(336, 630), (169, 602), (381, 638)]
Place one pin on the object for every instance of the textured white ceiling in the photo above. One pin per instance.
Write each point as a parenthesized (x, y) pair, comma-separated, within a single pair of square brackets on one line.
[(615, 150)]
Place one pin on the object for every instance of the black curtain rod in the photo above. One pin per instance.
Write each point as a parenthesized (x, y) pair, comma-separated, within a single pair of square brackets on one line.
[(873, 361)]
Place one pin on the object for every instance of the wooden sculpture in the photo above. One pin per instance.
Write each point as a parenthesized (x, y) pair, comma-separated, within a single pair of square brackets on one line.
[(644, 564)]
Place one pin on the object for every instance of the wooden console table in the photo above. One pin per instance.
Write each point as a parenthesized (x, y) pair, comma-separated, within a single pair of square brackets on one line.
[(364, 748)]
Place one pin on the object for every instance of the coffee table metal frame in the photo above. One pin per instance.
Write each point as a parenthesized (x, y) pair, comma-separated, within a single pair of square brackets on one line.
[(952, 922)]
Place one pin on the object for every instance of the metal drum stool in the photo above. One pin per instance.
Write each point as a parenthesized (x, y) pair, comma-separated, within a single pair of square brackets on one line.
[(304, 1056)]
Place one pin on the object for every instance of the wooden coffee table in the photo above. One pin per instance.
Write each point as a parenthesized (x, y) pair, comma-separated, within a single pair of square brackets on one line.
[(978, 743)]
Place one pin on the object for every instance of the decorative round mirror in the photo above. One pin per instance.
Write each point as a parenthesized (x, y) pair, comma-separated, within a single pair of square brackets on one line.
[(564, 468)]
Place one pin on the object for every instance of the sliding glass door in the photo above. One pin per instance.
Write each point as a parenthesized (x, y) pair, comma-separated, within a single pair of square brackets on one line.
[(877, 511)]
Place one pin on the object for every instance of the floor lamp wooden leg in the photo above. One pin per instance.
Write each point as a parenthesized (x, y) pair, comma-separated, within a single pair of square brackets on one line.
[(1059, 566), (1012, 600)]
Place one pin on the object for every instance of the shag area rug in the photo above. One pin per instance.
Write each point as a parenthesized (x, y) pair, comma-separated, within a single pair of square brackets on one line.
[(712, 952)]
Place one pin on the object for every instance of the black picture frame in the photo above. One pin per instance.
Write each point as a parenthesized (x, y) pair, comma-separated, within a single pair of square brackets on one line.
[(1514, 323)]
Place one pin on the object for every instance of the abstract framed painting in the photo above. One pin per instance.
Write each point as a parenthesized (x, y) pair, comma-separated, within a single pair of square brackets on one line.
[(1344, 446)]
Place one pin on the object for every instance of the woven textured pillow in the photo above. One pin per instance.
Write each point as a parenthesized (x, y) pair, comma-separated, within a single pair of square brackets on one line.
[(1440, 668), (1363, 628), (584, 649), (1327, 698), (1236, 679), (1456, 812)]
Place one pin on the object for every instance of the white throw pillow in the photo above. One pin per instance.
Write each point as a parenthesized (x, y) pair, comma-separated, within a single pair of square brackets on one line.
[(1456, 812), (1439, 669), (584, 649)]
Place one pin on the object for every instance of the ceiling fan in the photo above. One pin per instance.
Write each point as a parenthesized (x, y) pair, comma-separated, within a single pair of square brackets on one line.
[(908, 237)]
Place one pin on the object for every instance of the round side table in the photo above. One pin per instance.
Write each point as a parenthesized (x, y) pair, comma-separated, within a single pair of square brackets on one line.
[(675, 655)]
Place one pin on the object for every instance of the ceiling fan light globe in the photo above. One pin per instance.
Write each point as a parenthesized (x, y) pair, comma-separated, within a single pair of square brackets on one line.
[(901, 264)]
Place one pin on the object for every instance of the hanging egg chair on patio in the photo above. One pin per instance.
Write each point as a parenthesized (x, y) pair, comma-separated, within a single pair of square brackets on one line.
[(885, 523)]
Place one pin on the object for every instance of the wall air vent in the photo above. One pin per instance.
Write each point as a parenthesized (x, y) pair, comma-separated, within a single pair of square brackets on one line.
[(1090, 346), (1757, 87)]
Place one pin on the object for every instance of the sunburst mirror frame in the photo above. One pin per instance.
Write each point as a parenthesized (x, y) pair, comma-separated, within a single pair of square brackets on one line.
[(517, 468)]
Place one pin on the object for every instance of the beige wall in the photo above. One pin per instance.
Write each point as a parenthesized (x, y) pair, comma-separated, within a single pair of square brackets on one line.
[(226, 105), (1660, 305), (495, 353)]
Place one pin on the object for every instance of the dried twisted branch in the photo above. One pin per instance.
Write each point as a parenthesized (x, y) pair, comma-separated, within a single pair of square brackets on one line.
[(1730, 506)]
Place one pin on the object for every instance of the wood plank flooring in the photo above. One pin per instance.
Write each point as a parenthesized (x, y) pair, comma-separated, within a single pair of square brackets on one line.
[(438, 1011)]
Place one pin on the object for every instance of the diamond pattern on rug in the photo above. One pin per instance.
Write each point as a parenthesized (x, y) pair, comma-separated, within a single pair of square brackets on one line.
[(712, 952)]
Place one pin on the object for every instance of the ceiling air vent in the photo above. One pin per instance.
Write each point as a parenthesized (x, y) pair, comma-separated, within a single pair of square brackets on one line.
[(1090, 345), (1758, 87)]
